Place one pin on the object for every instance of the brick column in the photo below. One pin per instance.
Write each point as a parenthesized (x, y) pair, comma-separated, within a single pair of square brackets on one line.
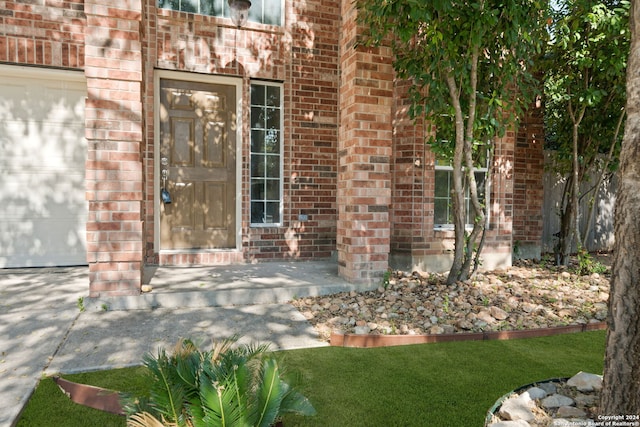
[(113, 114), (528, 191), (364, 153)]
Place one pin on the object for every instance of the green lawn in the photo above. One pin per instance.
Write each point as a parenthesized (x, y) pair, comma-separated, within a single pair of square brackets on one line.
[(446, 384)]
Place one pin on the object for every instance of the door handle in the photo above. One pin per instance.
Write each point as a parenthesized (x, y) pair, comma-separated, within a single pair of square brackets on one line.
[(165, 196), (164, 193)]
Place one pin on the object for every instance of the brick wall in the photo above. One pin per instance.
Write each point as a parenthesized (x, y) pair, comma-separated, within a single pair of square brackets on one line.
[(113, 117), (311, 161), (415, 244), (303, 54), (411, 206), (528, 193), (364, 156), (44, 32)]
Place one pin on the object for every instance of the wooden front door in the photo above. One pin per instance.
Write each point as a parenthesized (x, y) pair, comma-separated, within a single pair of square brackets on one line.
[(198, 165)]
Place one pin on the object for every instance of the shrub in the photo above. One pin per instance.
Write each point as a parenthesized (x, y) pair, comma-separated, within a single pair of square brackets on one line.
[(229, 385)]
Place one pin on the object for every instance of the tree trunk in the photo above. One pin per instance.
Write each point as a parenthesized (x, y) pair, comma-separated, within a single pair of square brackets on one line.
[(459, 211), (567, 216), (621, 391), (575, 193)]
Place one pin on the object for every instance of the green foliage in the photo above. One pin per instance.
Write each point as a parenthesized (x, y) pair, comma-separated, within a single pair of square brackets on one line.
[(445, 303), (585, 65), (434, 40), (227, 386), (386, 278), (587, 265), (585, 94)]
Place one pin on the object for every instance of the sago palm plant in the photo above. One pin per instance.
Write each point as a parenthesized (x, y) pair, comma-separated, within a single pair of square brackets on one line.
[(229, 385)]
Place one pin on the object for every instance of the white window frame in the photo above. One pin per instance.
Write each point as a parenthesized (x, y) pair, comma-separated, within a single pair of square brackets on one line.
[(225, 9), (443, 165), (280, 201)]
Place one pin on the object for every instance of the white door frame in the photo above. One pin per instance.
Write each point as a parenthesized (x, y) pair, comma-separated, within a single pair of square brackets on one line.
[(198, 78)]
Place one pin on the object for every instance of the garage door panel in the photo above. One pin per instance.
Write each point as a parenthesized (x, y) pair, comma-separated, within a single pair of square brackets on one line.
[(42, 158)]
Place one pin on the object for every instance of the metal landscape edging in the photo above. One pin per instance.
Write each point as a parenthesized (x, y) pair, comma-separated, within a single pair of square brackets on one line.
[(379, 340), (496, 406)]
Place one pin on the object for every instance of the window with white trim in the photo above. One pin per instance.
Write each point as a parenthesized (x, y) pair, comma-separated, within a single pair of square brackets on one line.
[(443, 201), (266, 154), (262, 11)]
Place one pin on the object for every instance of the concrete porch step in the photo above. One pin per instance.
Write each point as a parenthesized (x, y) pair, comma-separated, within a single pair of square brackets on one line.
[(245, 284)]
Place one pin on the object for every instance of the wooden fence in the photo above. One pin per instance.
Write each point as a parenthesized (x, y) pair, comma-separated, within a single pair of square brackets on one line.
[(601, 236)]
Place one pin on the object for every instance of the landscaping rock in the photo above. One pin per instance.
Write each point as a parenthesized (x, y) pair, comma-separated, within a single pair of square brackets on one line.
[(518, 408), (537, 393), (556, 401), (570, 412), (558, 409), (486, 317), (526, 296), (362, 330), (586, 400), (549, 387), (464, 324), (586, 382), (518, 423), (498, 313), (436, 330)]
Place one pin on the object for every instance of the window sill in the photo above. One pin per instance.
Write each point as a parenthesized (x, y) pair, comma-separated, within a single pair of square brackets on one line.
[(265, 225)]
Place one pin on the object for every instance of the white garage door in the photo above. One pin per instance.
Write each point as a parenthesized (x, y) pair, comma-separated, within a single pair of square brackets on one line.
[(43, 211)]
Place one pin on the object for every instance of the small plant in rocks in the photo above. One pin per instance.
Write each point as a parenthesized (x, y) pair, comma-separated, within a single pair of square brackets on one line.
[(587, 265), (445, 304), (386, 278)]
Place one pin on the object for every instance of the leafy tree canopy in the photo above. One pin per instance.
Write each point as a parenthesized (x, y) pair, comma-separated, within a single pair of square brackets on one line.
[(486, 47), (585, 77)]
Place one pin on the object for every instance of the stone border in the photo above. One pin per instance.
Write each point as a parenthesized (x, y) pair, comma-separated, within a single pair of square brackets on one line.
[(370, 341)]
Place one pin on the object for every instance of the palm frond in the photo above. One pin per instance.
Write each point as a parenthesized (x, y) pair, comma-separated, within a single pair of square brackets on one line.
[(144, 419), (295, 402), (167, 395), (220, 404), (223, 346), (270, 391)]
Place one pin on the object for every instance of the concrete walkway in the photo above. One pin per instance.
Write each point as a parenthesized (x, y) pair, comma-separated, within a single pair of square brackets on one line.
[(43, 330)]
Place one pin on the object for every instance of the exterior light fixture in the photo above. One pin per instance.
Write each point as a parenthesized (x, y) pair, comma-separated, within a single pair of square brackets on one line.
[(239, 11)]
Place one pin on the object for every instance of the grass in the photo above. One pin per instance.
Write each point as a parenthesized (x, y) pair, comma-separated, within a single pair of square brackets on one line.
[(445, 384), (48, 406)]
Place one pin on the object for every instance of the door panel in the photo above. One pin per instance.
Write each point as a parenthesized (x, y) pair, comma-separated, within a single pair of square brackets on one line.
[(197, 135), (215, 156), (216, 209), (183, 136)]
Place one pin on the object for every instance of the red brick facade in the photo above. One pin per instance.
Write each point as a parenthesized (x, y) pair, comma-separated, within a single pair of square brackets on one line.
[(357, 176), (364, 155), (528, 191)]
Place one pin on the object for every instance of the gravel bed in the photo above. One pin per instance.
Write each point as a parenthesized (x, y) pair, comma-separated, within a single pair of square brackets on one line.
[(527, 295)]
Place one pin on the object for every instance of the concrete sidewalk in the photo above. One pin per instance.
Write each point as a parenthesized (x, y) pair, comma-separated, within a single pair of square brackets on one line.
[(43, 330)]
